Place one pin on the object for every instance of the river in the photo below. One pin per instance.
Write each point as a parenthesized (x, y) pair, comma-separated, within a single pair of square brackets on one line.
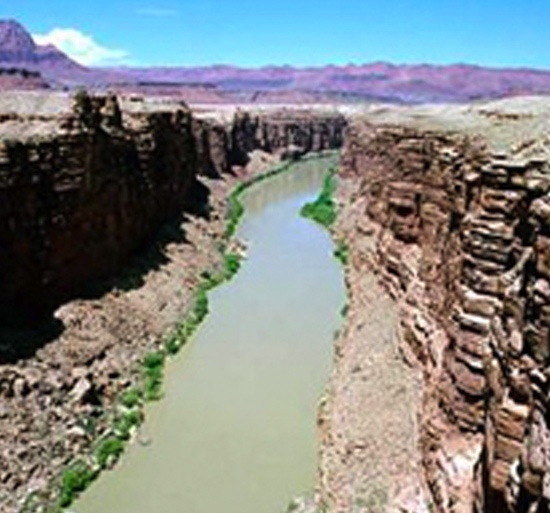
[(236, 429)]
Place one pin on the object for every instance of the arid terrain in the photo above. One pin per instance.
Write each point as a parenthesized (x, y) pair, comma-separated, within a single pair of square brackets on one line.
[(116, 208)]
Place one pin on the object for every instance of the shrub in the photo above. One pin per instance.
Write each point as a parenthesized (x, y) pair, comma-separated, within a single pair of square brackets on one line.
[(342, 253), (154, 360), (108, 451), (74, 481), (131, 398), (173, 344), (232, 264), (123, 425), (323, 209), (200, 310)]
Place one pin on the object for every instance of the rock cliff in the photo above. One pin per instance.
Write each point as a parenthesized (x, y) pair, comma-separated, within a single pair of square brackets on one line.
[(462, 242), (77, 203)]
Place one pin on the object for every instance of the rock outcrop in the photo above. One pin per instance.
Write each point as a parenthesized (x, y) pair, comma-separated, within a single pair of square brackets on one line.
[(462, 241)]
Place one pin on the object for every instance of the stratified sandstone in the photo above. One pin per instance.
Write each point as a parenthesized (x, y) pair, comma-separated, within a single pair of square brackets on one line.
[(462, 243), (76, 203)]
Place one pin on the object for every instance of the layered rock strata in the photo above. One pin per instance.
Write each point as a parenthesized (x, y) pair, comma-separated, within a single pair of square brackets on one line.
[(77, 203), (462, 243)]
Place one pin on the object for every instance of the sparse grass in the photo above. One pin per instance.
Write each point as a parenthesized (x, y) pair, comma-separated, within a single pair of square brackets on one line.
[(323, 209)]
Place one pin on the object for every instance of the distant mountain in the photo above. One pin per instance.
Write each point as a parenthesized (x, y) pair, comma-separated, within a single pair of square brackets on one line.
[(18, 50), (370, 82), (282, 84)]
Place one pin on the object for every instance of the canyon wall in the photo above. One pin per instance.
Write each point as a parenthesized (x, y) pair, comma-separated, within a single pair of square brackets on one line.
[(75, 204), (78, 200), (462, 241)]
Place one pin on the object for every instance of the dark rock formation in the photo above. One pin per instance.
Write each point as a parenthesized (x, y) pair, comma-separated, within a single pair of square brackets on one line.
[(75, 205), (305, 132)]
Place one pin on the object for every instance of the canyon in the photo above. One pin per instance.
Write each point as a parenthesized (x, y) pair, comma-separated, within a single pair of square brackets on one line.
[(97, 268), (113, 208)]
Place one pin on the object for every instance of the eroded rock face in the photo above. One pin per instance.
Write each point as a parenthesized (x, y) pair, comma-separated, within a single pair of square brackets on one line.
[(74, 205), (276, 133), (463, 243)]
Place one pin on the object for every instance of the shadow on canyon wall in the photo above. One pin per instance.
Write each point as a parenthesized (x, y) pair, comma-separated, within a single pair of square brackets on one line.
[(22, 341)]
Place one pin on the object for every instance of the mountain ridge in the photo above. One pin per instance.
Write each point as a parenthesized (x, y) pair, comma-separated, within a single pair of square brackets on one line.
[(377, 81)]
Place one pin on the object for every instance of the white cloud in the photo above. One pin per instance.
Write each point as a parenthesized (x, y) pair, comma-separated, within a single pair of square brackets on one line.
[(81, 47), (156, 11)]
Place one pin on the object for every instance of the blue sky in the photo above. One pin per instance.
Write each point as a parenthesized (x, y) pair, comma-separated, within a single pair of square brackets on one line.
[(260, 32)]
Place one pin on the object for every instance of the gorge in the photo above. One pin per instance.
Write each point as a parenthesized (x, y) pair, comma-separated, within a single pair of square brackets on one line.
[(444, 214)]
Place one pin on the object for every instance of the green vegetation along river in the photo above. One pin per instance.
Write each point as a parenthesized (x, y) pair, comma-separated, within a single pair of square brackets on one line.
[(236, 429)]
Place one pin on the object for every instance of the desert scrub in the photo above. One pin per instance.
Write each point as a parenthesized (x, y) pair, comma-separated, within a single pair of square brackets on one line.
[(323, 209)]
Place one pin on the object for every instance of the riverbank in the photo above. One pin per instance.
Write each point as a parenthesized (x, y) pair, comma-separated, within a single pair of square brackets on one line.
[(369, 455)]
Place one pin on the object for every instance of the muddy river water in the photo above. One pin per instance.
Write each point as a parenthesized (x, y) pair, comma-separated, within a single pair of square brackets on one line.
[(236, 429)]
